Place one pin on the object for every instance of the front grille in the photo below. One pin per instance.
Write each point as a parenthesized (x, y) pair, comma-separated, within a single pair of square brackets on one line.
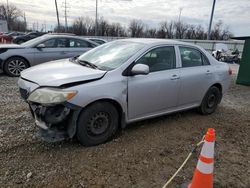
[(24, 93)]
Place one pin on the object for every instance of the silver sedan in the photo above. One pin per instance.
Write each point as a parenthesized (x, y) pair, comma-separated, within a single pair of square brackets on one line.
[(15, 58), (118, 83)]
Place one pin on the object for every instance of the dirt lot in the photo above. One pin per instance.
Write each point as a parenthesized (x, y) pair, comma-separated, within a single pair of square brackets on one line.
[(145, 154)]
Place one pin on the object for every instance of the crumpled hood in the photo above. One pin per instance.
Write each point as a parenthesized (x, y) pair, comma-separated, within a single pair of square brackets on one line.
[(60, 72)]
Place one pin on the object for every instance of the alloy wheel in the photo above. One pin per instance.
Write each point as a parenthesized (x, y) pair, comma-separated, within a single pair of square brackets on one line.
[(16, 66)]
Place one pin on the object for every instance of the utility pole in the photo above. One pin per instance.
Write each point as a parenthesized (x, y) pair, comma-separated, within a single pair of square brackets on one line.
[(45, 26), (33, 26), (7, 14), (65, 6), (57, 14), (96, 18), (25, 22), (179, 19), (211, 20)]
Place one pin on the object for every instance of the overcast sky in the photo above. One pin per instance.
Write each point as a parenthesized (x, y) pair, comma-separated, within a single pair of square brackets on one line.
[(234, 13)]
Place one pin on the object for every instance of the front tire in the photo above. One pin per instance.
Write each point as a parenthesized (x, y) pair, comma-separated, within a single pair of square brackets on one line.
[(210, 101), (97, 124), (14, 65)]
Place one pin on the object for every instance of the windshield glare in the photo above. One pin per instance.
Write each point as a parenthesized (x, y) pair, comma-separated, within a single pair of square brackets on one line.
[(111, 55), (33, 41)]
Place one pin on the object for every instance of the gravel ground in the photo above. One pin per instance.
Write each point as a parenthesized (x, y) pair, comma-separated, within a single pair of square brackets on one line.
[(145, 154)]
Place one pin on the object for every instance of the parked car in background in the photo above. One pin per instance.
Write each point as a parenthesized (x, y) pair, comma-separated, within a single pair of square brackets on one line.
[(222, 53), (8, 38), (15, 58), (27, 37), (120, 82), (98, 40)]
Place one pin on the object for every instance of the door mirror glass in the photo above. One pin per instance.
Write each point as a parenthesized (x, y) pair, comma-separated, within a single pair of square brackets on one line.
[(140, 69), (40, 46)]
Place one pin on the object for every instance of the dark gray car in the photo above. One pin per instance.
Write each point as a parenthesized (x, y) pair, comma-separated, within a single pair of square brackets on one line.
[(15, 58)]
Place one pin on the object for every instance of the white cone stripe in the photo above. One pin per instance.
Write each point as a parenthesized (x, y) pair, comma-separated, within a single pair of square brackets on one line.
[(205, 168), (208, 150)]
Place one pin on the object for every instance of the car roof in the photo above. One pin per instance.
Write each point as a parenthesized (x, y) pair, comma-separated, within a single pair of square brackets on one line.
[(49, 36), (152, 41), (61, 35), (93, 38)]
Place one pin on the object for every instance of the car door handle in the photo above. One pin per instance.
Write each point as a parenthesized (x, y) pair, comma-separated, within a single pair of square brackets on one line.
[(208, 72), (175, 77)]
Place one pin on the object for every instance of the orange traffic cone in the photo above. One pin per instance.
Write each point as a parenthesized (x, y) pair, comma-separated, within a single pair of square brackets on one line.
[(203, 174)]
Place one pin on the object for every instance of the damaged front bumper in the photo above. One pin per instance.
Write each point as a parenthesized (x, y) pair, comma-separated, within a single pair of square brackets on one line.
[(55, 122)]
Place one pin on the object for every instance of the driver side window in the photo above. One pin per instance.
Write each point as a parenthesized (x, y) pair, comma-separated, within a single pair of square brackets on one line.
[(56, 43), (158, 59)]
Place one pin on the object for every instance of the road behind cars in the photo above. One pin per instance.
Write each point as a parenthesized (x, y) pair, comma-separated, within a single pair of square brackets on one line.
[(145, 154)]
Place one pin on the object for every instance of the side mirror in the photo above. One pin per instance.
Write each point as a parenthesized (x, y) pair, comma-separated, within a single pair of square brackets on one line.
[(140, 69), (40, 46)]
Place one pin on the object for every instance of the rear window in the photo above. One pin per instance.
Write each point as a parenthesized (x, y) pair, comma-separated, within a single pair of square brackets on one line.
[(191, 57)]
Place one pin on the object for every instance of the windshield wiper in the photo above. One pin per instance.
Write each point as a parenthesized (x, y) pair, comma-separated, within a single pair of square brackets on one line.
[(82, 62)]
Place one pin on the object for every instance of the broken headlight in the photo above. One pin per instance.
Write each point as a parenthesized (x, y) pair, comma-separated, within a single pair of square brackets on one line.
[(51, 96)]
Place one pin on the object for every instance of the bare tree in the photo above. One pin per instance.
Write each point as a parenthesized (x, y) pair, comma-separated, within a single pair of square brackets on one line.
[(168, 29), (116, 30), (83, 26), (103, 27), (86, 26), (200, 33), (13, 16), (150, 33), (219, 32), (79, 26), (191, 32), (136, 28), (181, 29)]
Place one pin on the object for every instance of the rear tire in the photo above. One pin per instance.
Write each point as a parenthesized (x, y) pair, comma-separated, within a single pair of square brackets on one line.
[(14, 65), (210, 101), (97, 124)]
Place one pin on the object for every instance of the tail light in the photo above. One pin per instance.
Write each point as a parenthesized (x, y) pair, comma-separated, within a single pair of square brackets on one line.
[(230, 71)]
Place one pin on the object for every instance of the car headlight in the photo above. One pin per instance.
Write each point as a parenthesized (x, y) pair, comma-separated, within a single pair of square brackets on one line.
[(51, 96)]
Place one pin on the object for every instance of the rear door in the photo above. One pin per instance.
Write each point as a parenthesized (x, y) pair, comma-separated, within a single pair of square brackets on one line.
[(77, 47), (196, 76), (158, 91)]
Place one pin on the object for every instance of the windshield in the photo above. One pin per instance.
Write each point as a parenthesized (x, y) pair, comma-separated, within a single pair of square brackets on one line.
[(111, 55), (33, 41)]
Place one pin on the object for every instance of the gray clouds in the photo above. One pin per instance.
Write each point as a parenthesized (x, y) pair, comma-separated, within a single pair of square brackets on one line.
[(233, 13)]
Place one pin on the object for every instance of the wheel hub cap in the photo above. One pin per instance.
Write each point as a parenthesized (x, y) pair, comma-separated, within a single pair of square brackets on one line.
[(211, 100), (16, 66), (98, 123)]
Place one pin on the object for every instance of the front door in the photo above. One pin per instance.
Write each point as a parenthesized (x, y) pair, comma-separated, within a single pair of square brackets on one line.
[(158, 91), (54, 49)]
